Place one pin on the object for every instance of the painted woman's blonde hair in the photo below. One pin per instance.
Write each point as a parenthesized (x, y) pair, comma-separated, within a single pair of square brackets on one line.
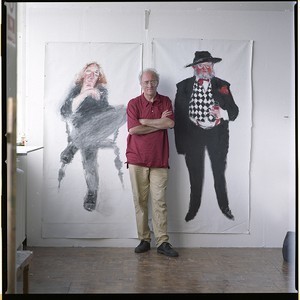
[(101, 79)]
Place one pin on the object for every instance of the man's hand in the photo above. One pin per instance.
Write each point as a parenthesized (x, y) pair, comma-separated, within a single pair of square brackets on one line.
[(146, 122), (215, 111), (166, 113), (143, 121)]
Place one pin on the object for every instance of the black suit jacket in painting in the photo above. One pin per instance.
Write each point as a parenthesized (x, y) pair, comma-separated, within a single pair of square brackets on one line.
[(183, 125)]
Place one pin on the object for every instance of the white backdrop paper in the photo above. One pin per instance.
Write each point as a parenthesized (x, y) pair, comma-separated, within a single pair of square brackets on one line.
[(63, 212), (114, 217), (169, 58)]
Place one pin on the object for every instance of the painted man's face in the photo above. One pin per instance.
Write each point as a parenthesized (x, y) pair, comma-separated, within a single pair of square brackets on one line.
[(91, 75), (204, 70)]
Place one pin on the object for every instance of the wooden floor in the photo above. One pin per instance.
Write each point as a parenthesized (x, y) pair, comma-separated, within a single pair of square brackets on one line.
[(197, 270)]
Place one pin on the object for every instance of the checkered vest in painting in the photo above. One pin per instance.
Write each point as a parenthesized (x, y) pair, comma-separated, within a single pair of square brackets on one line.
[(199, 106)]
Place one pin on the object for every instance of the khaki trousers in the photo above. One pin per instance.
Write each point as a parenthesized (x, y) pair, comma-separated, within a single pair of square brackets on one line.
[(150, 183)]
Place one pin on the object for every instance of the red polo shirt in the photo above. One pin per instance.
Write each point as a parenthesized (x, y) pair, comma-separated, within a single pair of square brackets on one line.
[(152, 149)]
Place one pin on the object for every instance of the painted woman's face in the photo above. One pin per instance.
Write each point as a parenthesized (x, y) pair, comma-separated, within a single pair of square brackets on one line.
[(91, 75)]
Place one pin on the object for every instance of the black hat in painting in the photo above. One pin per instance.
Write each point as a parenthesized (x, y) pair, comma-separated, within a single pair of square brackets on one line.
[(203, 56)]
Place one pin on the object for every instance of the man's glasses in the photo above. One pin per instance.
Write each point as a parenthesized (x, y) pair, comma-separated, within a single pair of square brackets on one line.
[(151, 82), (203, 66)]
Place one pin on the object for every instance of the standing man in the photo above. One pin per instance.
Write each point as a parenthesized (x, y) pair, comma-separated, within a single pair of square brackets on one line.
[(148, 118), (203, 107)]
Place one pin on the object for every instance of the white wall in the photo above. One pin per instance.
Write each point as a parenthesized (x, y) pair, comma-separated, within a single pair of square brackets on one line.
[(269, 24)]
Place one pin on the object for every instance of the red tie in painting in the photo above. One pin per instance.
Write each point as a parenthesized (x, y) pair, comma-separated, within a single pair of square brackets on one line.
[(200, 81)]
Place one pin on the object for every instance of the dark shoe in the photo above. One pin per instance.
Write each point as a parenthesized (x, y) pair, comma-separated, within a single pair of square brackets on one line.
[(228, 214), (190, 216), (90, 201), (166, 249), (144, 246), (193, 209)]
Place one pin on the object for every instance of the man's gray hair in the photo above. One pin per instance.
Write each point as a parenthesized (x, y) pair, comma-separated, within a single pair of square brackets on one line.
[(151, 70)]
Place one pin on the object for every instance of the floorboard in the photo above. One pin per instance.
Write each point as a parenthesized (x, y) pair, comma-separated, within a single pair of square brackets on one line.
[(56, 270)]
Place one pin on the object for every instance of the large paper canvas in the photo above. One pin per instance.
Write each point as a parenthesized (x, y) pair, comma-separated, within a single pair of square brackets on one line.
[(170, 56), (66, 181)]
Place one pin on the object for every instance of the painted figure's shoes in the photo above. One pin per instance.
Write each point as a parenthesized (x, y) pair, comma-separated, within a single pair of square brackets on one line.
[(166, 249), (90, 201), (144, 246), (227, 212), (190, 216)]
